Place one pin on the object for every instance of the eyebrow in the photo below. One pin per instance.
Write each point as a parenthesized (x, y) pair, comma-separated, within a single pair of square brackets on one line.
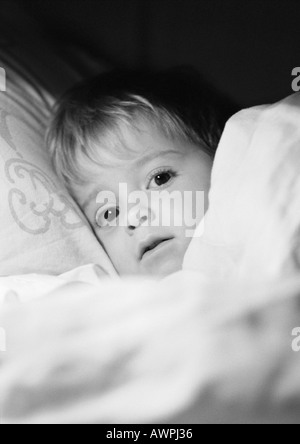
[(142, 161), (152, 156)]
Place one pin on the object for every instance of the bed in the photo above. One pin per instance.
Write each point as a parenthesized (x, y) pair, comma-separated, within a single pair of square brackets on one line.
[(212, 343)]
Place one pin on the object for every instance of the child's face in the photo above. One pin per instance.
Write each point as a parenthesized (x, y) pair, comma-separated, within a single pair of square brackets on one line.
[(138, 245)]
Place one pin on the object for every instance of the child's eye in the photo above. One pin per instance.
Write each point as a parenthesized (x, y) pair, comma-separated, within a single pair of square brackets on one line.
[(160, 178), (107, 216)]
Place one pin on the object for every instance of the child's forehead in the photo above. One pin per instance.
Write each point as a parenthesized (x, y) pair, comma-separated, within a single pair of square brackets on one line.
[(137, 144)]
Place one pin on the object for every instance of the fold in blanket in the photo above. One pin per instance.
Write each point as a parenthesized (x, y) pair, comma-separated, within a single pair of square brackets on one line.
[(252, 225), (177, 351)]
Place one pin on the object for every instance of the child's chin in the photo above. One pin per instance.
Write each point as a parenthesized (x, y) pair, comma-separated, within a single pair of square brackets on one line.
[(162, 269)]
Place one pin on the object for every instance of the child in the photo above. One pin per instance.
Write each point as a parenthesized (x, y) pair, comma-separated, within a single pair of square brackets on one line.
[(123, 133)]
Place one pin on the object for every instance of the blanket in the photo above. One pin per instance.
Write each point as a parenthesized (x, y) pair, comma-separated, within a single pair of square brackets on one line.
[(176, 351)]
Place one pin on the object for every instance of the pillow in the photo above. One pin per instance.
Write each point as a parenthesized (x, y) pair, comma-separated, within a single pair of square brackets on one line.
[(252, 227), (41, 228)]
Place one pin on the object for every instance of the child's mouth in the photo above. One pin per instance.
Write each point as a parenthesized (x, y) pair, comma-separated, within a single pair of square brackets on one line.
[(153, 246)]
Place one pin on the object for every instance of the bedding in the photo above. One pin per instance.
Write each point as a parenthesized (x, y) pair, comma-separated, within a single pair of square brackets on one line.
[(28, 287), (252, 226), (41, 228), (181, 350)]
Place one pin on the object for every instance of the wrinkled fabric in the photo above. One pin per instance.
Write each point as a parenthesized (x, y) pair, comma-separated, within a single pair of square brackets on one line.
[(175, 351), (252, 225)]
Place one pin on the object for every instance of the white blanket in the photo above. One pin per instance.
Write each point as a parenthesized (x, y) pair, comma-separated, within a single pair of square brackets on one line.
[(252, 229), (21, 289), (178, 351)]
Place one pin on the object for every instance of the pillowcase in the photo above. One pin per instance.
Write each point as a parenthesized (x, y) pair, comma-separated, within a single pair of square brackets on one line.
[(252, 227), (41, 228)]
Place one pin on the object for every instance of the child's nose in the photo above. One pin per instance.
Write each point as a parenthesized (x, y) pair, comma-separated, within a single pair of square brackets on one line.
[(137, 217)]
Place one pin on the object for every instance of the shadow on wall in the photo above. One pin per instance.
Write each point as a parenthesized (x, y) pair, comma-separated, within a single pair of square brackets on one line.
[(246, 49)]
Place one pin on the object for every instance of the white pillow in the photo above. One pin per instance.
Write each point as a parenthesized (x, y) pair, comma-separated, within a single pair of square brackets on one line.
[(41, 228), (252, 228)]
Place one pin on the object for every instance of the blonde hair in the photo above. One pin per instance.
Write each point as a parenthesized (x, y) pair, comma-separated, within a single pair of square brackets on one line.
[(91, 119)]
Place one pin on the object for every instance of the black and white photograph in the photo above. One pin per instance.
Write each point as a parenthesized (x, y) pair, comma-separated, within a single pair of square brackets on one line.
[(149, 215)]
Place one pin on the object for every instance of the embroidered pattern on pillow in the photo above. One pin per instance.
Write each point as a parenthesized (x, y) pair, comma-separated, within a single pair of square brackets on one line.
[(34, 199)]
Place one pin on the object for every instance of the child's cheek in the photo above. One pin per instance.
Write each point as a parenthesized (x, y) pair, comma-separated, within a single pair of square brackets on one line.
[(117, 245)]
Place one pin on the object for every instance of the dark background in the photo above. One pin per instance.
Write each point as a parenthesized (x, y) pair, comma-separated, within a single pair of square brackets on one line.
[(246, 48)]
